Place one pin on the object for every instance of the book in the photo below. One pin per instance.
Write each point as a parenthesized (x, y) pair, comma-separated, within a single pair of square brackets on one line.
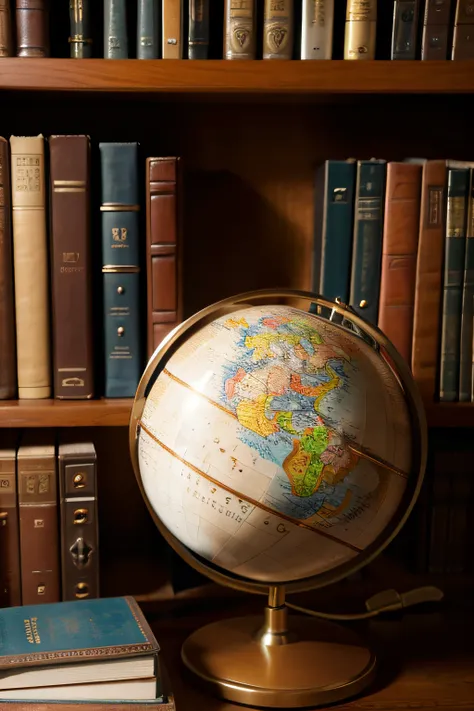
[(38, 507), (32, 28), (239, 29), (163, 249), (405, 27), (130, 690), (172, 34), (76, 642), (115, 29), (198, 29), (399, 254), (10, 583), (334, 224), (317, 27), (121, 268), (455, 245), (6, 39), (71, 267), (77, 465), (31, 268), (278, 29), (463, 34), (434, 39), (80, 40), (367, 240), (360, 30), (148, 29), (7, 305)]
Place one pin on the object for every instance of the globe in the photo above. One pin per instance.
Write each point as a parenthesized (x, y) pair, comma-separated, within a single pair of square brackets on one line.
[(279, 442)]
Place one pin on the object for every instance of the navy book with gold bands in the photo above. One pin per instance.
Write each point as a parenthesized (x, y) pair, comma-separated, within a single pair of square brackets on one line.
[(121, 267)]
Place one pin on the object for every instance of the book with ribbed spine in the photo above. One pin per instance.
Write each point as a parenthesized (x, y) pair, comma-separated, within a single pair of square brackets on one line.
[(278, 29), (115, 29), (30, 257), (455, 246), (239, 29), (436, 20), (6, 39), (7, 305), (405, 27), (121, 268), (360, 30), (148, 29), (198, 29), (80, 40)]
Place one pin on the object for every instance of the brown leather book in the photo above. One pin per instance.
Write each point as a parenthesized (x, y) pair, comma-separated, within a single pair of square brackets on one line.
[(32, 28), (164, 247), (399, 252), (77, 464), (71, 267), (7, 307), (10, 584), (6, 39), (428, 285), (37, 498)]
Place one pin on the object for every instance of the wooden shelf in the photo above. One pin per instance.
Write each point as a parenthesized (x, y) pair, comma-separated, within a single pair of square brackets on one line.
[(224, 77), (65, 413)]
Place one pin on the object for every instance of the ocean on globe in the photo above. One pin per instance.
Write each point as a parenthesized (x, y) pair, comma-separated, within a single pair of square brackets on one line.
[(275, 444)]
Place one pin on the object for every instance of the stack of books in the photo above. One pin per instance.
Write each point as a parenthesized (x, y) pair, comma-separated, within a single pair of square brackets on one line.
[(84, 650)]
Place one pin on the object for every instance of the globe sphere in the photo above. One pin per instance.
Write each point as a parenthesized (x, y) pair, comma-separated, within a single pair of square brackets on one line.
[(278, 446)]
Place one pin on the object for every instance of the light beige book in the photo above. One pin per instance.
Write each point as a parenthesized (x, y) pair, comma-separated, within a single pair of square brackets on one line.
[(136, 690), (278, 29), (239, 29), (30, 256), (360, 32)]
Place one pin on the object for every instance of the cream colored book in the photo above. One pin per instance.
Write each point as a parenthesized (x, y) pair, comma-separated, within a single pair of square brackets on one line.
[(30, 256), (361, 26)]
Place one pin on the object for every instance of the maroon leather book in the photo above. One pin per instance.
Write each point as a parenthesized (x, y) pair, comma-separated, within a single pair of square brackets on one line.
[(32, 28), (7, 308), (71, 267), (163, 246)]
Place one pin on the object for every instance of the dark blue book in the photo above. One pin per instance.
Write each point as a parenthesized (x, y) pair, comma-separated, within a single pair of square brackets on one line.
[(121, 256)]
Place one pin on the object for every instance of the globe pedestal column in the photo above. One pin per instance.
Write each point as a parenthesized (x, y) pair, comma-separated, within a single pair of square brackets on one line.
[(287, 662)]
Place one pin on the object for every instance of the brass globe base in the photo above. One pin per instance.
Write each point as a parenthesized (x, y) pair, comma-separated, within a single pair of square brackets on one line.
[(314, 663)]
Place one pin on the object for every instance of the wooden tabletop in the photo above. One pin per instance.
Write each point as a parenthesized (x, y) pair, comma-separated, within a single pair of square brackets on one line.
[(426, 657)]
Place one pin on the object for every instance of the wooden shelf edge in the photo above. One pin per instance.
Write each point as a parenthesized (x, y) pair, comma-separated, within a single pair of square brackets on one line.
[(65, 413), (226, 77)]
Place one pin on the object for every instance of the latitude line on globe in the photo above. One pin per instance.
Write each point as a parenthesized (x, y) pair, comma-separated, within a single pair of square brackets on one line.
[(359, 452), (244, 497)]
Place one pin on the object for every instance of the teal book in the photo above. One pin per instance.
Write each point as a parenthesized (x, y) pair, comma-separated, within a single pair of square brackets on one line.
[(121, 259), (455, 248), (334, 214), (467, 313), (367, 240)]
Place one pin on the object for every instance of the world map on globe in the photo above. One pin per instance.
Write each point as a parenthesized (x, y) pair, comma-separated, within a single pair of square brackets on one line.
[(275, 444)]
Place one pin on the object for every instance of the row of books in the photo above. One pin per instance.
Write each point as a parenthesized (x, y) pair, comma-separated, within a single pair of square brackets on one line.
[(33, 276), (48, 520), (86, 651), (395, 240), (287, 29)]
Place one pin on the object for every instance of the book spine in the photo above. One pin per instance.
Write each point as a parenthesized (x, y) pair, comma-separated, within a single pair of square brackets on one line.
[(455, 245), (7, 306), (239, 29), (317, 27), (463, 35), (10, 583), (360, 31), (172, 29), (164, 258), (6, 38), (115, 29), (80, 40), (467, 314), (79, 522), (334, 226), (39, 540), (367, 243), (30, 258), (198, 31), (148, 29), (428, 282), (434, 41), (405, 26), (71, 268), (32, 28), (278, 29), (120, 268), (399, 253)]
